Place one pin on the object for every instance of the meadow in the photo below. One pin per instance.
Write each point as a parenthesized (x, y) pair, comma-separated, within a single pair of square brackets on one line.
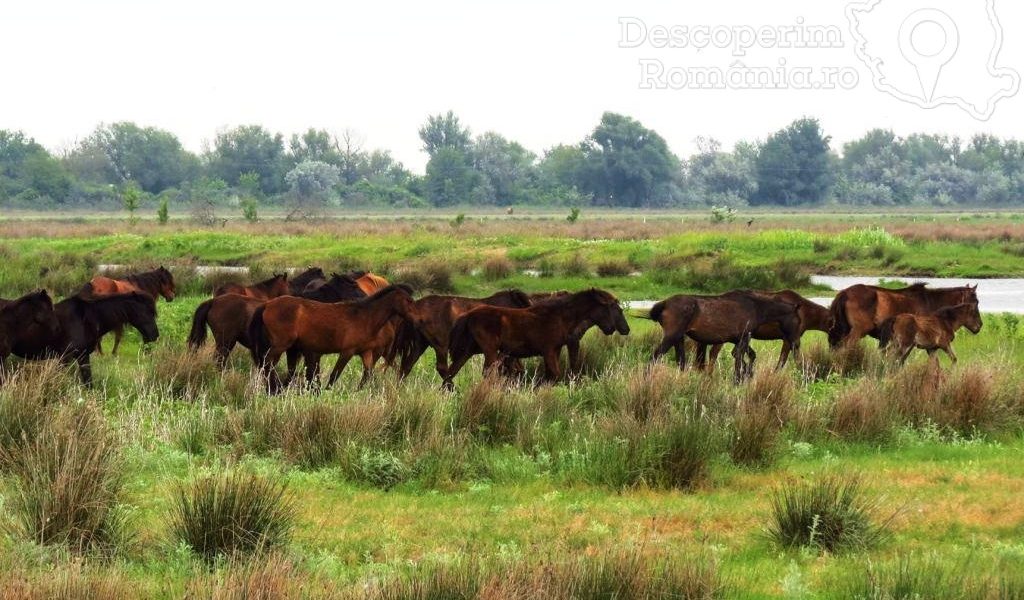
[(839, 477)]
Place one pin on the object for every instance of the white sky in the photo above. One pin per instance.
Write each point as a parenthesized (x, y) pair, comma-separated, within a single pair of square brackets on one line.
[(540, 72)]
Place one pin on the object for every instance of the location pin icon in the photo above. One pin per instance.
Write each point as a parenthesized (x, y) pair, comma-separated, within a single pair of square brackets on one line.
[(928, 65)]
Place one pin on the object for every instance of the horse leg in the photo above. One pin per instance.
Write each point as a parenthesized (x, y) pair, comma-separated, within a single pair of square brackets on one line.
[(904, 353), (292, 358), (681, 353), (84, 368), (575, 358), (312, 361), (667, 342), (368, 361), (453, 369), (948, 349), (222, 352), (269, 369), (552, 365), (441, 365), (748, 364), (713, 353), (118, 333), (783, 355), (338, 368)]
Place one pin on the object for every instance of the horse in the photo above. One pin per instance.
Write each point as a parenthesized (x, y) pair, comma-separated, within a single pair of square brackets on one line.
[(264, 290), (813, 316), (368, 282), (538, 330), (930, 333), (574, 340), (299, 282), (158, 282), (26, 318), (859, 310), (729, 318), (437, 315), (82, 321), (228, 318), (314, 329), (335, 289)]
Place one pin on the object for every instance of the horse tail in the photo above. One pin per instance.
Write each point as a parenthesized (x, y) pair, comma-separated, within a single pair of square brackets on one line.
[(656, 311), (259, 343), (460, 341), (197, 336), (406, 340), (840, 324), (885, 331)]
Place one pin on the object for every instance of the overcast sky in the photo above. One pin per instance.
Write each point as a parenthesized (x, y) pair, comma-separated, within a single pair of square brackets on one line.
[(540, 72)]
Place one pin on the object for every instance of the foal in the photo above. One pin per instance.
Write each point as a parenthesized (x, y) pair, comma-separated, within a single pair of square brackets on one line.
[(929, 333)]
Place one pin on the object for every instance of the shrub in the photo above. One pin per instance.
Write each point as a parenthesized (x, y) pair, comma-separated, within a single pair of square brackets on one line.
[(862, 412), (576, 266), (488, 411), (497, 268), (830, 514), (379, 468), (614, 268), (762, 411), (68, 481), (689, 444), (232, 514), (430, 275)]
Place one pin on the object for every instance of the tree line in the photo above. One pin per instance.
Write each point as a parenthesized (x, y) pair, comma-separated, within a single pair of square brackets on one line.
[(621, 163)]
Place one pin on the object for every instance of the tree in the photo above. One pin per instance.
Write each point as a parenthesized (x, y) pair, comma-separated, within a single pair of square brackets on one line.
[(130, 196), (311, 184), (715, 177), (628, 164), (246, 149), (450, 177), (794, 166), (162, 212), (204, 195), (508, 168), (28, 170), (153, 158), (444, 131), (249, 190)]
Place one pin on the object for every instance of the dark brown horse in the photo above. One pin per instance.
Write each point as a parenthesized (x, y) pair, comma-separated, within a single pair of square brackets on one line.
[(573, 344), (299, 282), (315, 328), (539, 330), (264, 290), (859, 310), (228, 318), (436, 317), (158, 282), (335, 289), (30, 317), (729, 318), (82, 321), (813, 316), (930, 333)]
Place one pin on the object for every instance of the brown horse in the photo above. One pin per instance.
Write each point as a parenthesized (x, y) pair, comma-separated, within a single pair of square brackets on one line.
[(436, 317), (335, 289), (299, 282), (539, 330), (228, 318), (729, 318), (264, 290), (859, 310), (929, 333), (813, 316), (30, 317), (158, 282), (368, 282), (314, 329), (573, 343)]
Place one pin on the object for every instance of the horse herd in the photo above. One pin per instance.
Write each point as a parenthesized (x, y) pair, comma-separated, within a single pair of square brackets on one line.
[(362, 315)]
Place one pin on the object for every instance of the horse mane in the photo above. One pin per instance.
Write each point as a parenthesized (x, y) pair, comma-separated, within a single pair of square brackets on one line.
[(394, 287), (269, 282), (149, 280)]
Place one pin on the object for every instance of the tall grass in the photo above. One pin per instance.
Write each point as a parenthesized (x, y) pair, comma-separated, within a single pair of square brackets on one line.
[(232, 514), (914, 576), (832, 514), (68, 483)]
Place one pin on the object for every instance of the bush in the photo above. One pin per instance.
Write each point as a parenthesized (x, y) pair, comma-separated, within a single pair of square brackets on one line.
[(761, 413), (435, 276), (497, 268), (862, 412), (488, 411), (614, 268), (576, 266), (68, 481), (232, 514), (830, 514)]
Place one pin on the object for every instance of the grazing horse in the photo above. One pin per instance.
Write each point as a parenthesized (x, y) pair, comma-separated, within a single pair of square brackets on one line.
[(729, 318), (27, 318), (859, 310), (299, 282), (158, 282), (315, 328), (437, 315), (930, 333), (539, 330), (82, 321), (813, 316), (228, 318), (264, 290)]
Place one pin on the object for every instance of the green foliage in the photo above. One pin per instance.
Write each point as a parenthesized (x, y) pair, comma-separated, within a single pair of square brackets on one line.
[(250, 209), (574, 215), (723, 214), (162, 214), (457, 221), (130, 196), (794, 166)]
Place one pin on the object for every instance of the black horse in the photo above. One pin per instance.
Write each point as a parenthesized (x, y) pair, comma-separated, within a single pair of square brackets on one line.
[(336, 289), (81, 322), (26, 318), (299, 282)]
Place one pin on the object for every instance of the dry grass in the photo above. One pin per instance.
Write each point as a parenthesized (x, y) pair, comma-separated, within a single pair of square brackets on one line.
[(71, 581)]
